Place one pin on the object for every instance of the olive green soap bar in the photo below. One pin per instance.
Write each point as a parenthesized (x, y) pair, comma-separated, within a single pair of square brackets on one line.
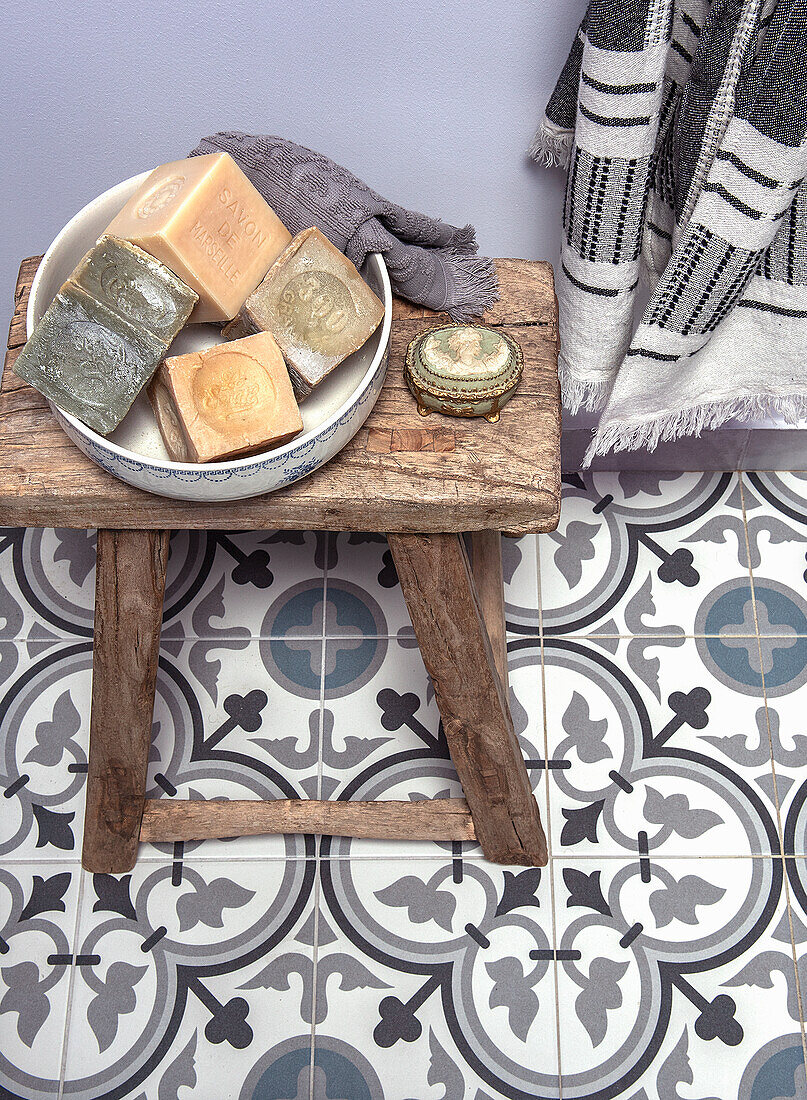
[(315, 304), (101, 339)]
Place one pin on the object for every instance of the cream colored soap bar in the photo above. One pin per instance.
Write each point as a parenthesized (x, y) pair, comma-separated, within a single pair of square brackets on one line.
[(225, 400), (205, 221), (316, 305)]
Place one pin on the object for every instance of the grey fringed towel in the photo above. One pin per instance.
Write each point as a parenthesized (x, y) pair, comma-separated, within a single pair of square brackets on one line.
[(429, 262), (683, 126)]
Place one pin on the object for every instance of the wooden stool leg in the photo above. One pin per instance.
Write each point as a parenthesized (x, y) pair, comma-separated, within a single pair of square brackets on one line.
[(129, 587), (436, 580), (486, 567)]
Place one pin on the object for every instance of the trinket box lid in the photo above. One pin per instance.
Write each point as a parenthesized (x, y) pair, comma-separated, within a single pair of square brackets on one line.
[(464, 361)]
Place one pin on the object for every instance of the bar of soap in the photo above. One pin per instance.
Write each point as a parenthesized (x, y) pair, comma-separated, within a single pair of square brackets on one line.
[(316, 305), (204, 219), (100, 340), (224, 401)]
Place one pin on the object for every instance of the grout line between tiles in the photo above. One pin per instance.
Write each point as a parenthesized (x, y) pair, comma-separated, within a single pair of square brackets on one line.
[(318, 841), (548, 826), (788, 903), (71, 982)]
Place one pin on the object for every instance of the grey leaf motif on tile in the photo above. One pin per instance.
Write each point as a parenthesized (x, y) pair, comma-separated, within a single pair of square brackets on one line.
[(647, 482), (181, 1073), (585, 889), (512, 989), (675, 1070), (115, 998), (737, 745), (25, 996), (47, 895), (212, 637), (790, 758), (759, 972), (679, 899), (717, 528), (352, 972), (647, 668), (675, 812), (778, 532), (285, 750), (444, 1071), (208, 901), (511, 558), (52, 737), (77, 548), (356, 750), (586, 734), (11, 614), (518, 713), (575, 545), (423, 901), (599, 996)]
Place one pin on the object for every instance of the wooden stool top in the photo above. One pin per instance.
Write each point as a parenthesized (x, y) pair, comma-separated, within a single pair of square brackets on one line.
[(400, 473)]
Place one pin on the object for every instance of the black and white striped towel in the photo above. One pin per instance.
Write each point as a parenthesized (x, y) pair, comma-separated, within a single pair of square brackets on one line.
[(683, 126)]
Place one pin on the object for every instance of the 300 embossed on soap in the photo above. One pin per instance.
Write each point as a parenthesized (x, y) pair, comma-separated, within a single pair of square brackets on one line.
[(204, 219), (100, 340), (317, 306), (225, 401)]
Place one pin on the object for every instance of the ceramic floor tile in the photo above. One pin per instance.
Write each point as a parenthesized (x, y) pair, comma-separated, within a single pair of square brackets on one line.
[(38, 910), (190, 974), (382, 737), (776, 513), (237, 718), (656, 745), (676, 973), (47, 583), (365, 597), (644, 554), (782, 670), (258, 583), (439, 976), (44, 719)]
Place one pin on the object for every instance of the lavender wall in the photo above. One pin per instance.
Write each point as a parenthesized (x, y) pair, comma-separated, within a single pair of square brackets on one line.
[(432, 101)]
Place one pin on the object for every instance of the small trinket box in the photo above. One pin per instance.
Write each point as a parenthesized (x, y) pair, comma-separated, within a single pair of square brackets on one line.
[(463, 370)]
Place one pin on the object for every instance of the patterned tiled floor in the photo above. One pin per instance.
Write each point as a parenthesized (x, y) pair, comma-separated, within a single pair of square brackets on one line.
[(658, 642)]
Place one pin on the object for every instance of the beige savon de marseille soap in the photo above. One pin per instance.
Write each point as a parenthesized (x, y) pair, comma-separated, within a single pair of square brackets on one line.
[(317, 306), (205, 221), (225, 401)]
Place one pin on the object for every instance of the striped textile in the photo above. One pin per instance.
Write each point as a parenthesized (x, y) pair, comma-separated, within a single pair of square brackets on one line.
[(683, 277)]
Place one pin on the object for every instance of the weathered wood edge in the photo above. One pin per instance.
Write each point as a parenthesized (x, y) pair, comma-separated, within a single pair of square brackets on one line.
[(129, 589), (438, 587), (430, 819), (46, 508)]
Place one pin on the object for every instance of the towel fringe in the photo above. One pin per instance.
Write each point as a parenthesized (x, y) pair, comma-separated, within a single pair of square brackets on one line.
[(551, 145), (578, 394), (693, 421), (473, 283)]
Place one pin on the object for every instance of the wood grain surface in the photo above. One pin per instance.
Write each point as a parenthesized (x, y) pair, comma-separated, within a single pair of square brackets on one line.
[(430, 819), (435, 578), (129, 588), (398, 474)]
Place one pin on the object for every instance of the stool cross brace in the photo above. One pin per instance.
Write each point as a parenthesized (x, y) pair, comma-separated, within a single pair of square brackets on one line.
[(458, 615)]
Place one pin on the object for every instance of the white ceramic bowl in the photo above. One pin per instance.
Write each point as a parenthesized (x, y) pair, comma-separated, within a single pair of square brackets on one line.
[(135, 452)]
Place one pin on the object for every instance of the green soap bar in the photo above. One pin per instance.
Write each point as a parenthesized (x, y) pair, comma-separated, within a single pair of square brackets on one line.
[(101, 339), (136, 286), (89, 361)]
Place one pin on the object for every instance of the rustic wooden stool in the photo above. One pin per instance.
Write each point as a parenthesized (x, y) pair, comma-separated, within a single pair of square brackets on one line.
[(423, 483)]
